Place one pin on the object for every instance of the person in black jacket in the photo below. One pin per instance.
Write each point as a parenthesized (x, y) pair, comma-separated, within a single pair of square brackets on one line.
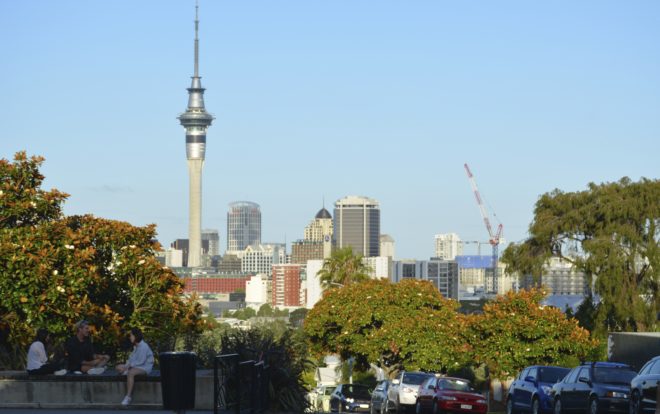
[(81, 355)]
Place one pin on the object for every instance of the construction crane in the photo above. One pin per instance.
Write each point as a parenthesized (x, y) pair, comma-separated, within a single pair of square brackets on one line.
[(493, 238)]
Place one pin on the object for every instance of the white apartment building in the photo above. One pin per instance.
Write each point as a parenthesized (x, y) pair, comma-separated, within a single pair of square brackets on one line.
[(257, 290), (448, 246), (260, 258), (380, 267), (313, 283), (173, 258), (386, 246)]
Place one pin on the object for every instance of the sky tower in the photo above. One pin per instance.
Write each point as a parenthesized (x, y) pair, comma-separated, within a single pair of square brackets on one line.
[(196, 121)]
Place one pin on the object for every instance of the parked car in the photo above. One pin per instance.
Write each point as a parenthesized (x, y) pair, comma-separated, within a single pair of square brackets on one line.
[(594, 387), (449, 394), (402, 394), (350, 398), (531, 390), (379, 397), (644, 388)]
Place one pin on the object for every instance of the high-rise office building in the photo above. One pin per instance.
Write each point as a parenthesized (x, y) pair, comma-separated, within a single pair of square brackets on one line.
[(448, 246), (243, 226), (184, 246), (319, 228), (196, 121), (212, 237), (317, 243), (442, 273), (357, 224)]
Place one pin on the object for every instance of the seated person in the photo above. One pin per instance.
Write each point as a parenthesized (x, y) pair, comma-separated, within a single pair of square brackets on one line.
[(140, 362), (82, 358), (37, 358)]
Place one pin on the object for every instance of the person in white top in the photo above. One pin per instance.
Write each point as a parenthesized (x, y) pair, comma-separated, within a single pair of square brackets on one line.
[(140, 362), (37, 358)]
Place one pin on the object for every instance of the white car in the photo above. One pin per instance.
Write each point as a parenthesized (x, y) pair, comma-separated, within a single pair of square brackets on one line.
[(402, 394)]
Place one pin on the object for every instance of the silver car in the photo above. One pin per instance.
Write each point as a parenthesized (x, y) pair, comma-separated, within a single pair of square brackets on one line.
[(402, 394)]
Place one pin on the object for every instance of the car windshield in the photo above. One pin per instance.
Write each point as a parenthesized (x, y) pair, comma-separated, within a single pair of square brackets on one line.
[(355, 391), (414, 379), (455, 385), (552, 374), (611, 375)]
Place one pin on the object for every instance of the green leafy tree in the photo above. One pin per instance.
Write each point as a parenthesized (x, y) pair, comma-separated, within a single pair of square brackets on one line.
[(407, 325), (266, 310), (342, 268), (297, 317), (611, 233), (56, 270), (515, 331)]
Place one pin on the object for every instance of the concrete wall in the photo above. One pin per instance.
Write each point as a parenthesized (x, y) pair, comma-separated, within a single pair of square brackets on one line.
[(100, 391)]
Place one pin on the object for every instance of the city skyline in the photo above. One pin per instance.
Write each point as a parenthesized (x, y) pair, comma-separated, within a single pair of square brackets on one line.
[(320, 101)]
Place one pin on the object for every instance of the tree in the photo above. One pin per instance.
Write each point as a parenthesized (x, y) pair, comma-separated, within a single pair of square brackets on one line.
[(297, 317), (611, 233), (341, 268), (516, 331), (407, 325), (266, 310), (56, 270)]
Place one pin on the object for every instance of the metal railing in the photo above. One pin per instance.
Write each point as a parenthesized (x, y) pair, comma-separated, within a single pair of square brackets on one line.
[(240, 386)]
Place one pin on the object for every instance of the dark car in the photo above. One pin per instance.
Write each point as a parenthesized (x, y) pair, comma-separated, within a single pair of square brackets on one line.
[(531, 390), (379, 398), (449, 394), (594, 387), (350, 398), (644, 388)]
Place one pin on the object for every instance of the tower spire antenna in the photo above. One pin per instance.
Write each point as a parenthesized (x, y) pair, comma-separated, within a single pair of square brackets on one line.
[(196, 39)]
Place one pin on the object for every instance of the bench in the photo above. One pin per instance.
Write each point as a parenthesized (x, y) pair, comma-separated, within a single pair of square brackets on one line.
[(18, 389)]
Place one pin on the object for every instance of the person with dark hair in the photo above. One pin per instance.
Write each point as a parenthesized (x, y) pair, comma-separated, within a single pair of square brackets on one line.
[(81, 354), (37, 358), (140, 362)]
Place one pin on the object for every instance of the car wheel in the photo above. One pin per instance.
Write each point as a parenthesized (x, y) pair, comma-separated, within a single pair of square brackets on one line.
[(558, 409), (509, 406), (593, 406), (535, 405), (635, 403)]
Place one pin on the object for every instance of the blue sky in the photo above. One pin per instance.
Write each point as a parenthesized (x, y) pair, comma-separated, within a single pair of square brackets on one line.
[(321, 99)]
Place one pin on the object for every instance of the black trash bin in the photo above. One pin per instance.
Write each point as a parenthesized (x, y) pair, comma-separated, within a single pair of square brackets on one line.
[(177, 380)]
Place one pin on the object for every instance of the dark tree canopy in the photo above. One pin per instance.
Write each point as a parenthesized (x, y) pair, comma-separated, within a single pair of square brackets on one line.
[(610, 232)]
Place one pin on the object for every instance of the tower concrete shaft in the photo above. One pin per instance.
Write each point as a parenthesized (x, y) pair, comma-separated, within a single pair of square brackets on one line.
[(196, 122), (195, 213)]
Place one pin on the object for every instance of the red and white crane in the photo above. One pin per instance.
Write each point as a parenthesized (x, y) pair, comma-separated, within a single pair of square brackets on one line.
[(493, 238)]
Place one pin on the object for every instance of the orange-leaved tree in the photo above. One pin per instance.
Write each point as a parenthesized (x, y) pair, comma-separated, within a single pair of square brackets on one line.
[(55, 270), (516, 330), (406, 325)]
